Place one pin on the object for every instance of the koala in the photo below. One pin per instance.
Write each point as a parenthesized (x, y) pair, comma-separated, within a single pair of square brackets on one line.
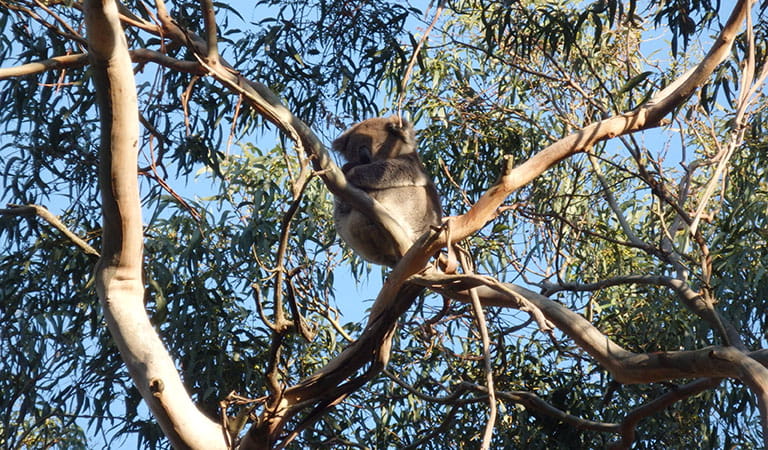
[(381, 160)]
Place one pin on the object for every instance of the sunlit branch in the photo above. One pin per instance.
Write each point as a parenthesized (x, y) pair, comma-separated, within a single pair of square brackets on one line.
[(486, 344), (119, 273), (81, 60), (647, 116), (55, 63)]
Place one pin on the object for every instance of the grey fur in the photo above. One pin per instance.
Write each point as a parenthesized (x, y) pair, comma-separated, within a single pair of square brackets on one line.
[(382, 160)]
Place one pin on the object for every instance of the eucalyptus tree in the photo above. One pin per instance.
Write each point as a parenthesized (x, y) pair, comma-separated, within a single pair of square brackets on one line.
[(170, 269)]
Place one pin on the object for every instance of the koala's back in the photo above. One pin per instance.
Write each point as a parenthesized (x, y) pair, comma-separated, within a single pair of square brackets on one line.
[(407, 207)]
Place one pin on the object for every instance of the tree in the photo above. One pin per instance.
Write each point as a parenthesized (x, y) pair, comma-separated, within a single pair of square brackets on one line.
[(606, 212)]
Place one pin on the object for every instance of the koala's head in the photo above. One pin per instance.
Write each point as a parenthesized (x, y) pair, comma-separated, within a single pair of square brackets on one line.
[(379, 138)]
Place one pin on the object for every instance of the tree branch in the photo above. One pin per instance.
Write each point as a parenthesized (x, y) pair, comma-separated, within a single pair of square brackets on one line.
[(43, 213), (647, 116), (486, 341), (140, 55), (212, 44), (119, 271), (625, 366), (55, 63)]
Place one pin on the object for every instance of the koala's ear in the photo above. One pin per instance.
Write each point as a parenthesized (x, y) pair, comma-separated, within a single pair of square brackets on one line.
[(340, 143), (403, 129)]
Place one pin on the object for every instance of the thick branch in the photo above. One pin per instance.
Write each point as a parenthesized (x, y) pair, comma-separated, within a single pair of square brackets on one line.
[(119, 271), (625, 366)]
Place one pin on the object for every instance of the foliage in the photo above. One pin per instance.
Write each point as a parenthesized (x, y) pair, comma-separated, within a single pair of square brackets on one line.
[(494, 79)]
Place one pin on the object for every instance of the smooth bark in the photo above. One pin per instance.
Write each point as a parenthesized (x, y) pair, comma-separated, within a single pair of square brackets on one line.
[(119, 271)]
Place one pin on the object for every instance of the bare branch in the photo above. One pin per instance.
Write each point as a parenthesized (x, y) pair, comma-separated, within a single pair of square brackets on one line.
[(43, 213), (486, 341), (81, 59), (119, 271), (209, 15), (55, 63)]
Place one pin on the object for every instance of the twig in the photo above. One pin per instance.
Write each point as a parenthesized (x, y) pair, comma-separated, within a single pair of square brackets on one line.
[(480, 316), (612, 201), (414, 56)]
